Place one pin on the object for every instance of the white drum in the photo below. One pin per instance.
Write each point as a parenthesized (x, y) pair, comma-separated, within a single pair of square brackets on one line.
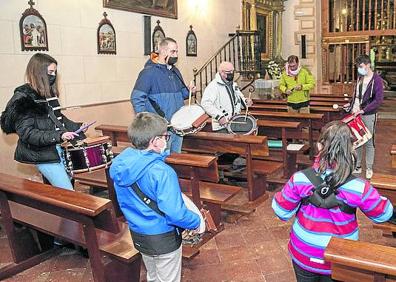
[(192, 207), (189, 119)]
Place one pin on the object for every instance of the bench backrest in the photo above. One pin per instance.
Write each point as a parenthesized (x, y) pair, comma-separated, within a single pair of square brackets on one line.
[(211, 142), (360, 261), (67, 204)]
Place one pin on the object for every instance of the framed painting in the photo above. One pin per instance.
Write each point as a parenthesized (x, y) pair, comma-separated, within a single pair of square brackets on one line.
[(191, 43), (106, 37), (158, 35), (33, 30), (162, 8)]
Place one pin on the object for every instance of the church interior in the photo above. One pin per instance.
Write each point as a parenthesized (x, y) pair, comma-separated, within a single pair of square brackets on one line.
[(102, 50)]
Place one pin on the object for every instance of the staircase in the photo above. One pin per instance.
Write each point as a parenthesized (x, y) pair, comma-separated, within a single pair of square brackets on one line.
[(242, 50)]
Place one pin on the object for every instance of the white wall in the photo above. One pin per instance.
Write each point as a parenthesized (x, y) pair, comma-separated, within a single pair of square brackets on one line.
[(303, 17), (87, 77)]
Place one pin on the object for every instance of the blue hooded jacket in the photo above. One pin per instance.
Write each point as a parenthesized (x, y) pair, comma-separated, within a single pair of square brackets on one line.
[(159, 182), (163, 86)]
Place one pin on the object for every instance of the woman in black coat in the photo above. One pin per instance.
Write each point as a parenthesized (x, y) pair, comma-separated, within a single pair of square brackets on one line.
[(34, 114)]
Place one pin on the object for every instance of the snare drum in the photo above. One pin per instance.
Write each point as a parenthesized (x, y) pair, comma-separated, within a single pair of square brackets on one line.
[(360, 132), (88, 154), (242, 124), (189, 119)]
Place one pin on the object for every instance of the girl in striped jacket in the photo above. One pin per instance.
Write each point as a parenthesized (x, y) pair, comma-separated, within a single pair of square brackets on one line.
[(314, 226)]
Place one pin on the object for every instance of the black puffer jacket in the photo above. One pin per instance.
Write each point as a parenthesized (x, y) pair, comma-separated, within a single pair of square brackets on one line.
[(26, 114)]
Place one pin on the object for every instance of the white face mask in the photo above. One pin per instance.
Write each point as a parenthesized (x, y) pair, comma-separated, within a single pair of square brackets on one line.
[(162, 150)]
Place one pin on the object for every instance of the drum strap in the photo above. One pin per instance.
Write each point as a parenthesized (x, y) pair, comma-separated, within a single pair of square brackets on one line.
[(323, 195), (149, 202), (60, 125), (156, 107)]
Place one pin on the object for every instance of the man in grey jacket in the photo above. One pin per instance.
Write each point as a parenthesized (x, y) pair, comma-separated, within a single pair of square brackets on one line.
[(222, 98)]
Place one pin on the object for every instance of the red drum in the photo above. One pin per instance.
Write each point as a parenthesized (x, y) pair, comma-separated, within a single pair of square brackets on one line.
[(360, 132), (88, 154)]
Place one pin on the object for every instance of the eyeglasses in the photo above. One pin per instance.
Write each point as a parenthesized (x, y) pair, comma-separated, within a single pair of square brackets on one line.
[(167, 136)]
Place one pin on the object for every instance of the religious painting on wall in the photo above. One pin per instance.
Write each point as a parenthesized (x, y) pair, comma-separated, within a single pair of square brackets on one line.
[(106, 37), (162, 8), (158, 35), (191, 43), (33, 30)]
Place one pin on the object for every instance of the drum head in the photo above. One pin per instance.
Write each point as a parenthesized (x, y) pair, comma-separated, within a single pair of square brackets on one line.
[(186, 116), (241, 124), (192, 207)]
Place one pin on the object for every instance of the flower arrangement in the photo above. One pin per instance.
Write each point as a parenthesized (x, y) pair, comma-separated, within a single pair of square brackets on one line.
[(274, 70)]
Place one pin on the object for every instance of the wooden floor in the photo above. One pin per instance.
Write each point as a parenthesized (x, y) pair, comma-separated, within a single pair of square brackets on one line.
[(253, 249)]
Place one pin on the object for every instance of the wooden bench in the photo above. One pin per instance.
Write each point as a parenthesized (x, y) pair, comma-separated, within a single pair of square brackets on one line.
[(249, 146), (312, 121), (78, 218), (356, 261), (386, 186)]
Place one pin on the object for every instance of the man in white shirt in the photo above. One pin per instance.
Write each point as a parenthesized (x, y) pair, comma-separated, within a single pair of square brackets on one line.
[(222, 98)]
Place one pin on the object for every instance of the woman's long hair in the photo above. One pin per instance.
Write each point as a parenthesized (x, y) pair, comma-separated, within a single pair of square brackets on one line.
[(336, 153), (37, 75)]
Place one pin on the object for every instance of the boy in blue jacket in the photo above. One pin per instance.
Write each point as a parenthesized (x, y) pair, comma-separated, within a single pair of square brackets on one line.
[(156, 236)]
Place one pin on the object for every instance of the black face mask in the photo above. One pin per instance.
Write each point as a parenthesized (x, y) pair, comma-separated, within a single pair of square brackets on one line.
[(230, 76), (172, 61), (51, 79)]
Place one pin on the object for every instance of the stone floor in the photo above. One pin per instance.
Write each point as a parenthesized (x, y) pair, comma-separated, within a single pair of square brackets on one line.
[(253, 249)]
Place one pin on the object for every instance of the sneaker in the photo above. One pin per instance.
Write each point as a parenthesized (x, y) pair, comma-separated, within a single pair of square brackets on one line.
[(357, 170), (369, 173)]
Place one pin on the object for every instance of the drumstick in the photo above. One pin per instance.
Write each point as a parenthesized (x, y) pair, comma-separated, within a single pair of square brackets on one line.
[(247, 107), (189, 93)]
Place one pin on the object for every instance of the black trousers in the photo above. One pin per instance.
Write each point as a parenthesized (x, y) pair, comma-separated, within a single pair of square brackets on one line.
[(303, 275)]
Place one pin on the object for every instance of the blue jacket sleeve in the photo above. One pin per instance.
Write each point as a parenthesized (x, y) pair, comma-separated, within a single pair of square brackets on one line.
[(170, 202), (141, 91)]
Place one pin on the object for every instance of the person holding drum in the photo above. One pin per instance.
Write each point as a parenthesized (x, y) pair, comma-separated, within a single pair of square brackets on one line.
[(323, 200), (34, 114), (222, 98), (296, 82), (368, 96), (149, 195), (160, 87)]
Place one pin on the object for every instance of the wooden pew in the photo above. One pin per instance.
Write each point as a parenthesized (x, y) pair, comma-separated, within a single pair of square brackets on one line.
[(386, 186), (329, 112), (78, 218), (248, 146), (356, 261), (284, 130), (393, 153), (340, 100), (312, 121)]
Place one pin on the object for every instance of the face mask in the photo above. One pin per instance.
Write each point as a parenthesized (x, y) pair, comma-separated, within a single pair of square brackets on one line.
[(362, 71), (172, 61), (163, 148), (51, 79), (294, 72), (230, 76)]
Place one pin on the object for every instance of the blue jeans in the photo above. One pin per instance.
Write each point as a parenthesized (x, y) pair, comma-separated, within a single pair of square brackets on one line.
[(175, 143), (56, 173)]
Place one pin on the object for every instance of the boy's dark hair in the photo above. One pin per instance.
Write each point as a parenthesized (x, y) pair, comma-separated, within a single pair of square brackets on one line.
[(337, 152), (363, 59), (292, 59), (145, 127)]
